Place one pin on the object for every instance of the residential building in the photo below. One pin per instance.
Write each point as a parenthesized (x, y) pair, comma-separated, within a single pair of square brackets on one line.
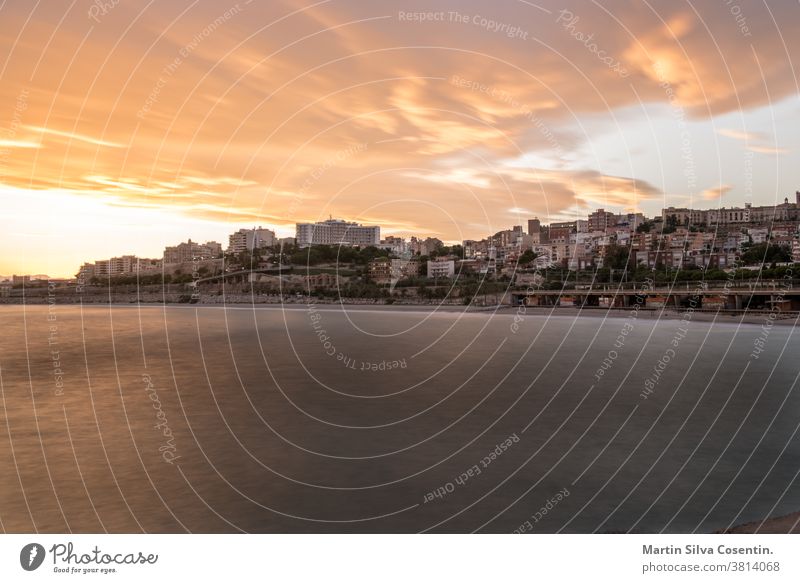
[(441, 269), (397, 245), (250, 239), (600, 220), (191, 250), (86, 271), (786, 211), (569, 226), (508, 238), (425, 246), (384, 270), (337, 232), (380, 270), (118, 266)]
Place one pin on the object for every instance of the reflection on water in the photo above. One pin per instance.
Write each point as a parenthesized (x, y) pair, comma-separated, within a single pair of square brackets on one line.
[(317, 420)]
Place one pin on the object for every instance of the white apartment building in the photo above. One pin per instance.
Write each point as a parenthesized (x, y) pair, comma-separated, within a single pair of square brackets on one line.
[(443, 269), (337, 232), (125, 265), (758, 235), (396, 245)]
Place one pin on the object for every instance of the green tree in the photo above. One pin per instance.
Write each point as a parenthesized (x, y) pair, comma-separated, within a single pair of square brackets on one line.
[(764, 253), (527, 257), (617, 256)]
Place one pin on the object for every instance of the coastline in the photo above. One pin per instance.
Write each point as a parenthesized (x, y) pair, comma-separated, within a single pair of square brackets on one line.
[(244, 301), (786, 524)]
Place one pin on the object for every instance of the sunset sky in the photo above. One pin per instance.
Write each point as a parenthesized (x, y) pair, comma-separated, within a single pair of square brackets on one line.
[(129, 125)]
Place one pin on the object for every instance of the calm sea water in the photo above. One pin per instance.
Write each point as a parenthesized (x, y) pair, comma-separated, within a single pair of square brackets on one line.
[(208, 419)]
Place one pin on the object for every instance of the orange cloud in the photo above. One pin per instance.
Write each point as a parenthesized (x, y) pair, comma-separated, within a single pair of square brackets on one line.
[(756, 142), (717, 192), (767, 150), (283, 111)]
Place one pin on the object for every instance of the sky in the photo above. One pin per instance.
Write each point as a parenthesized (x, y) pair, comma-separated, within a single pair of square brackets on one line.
[(129, 125)]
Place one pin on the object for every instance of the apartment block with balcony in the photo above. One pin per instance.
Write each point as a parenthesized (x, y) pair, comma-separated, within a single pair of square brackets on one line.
[(250, 239), (443, 269), (118, 266), (337, 232), (191, 251)]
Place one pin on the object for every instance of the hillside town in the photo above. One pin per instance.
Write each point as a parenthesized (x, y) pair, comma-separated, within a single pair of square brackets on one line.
[(346, 259)]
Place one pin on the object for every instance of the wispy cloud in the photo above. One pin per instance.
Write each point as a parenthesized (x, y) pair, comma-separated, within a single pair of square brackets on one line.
[(768, 150), (717, 192), (74, 136), (740, 135), (755, 141), (19, 144)]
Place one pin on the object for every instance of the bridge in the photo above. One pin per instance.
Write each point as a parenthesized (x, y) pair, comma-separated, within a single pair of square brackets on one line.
[(779, 295)]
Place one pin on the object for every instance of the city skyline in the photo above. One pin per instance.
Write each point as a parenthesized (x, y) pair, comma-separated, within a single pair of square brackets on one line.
[(236, 114), (599, 222)]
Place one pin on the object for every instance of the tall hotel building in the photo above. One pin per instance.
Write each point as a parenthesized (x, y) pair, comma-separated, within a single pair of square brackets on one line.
[(337, 232)]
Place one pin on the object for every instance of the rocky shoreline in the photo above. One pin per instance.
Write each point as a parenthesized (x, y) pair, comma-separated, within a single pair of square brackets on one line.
[(788, 524)]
